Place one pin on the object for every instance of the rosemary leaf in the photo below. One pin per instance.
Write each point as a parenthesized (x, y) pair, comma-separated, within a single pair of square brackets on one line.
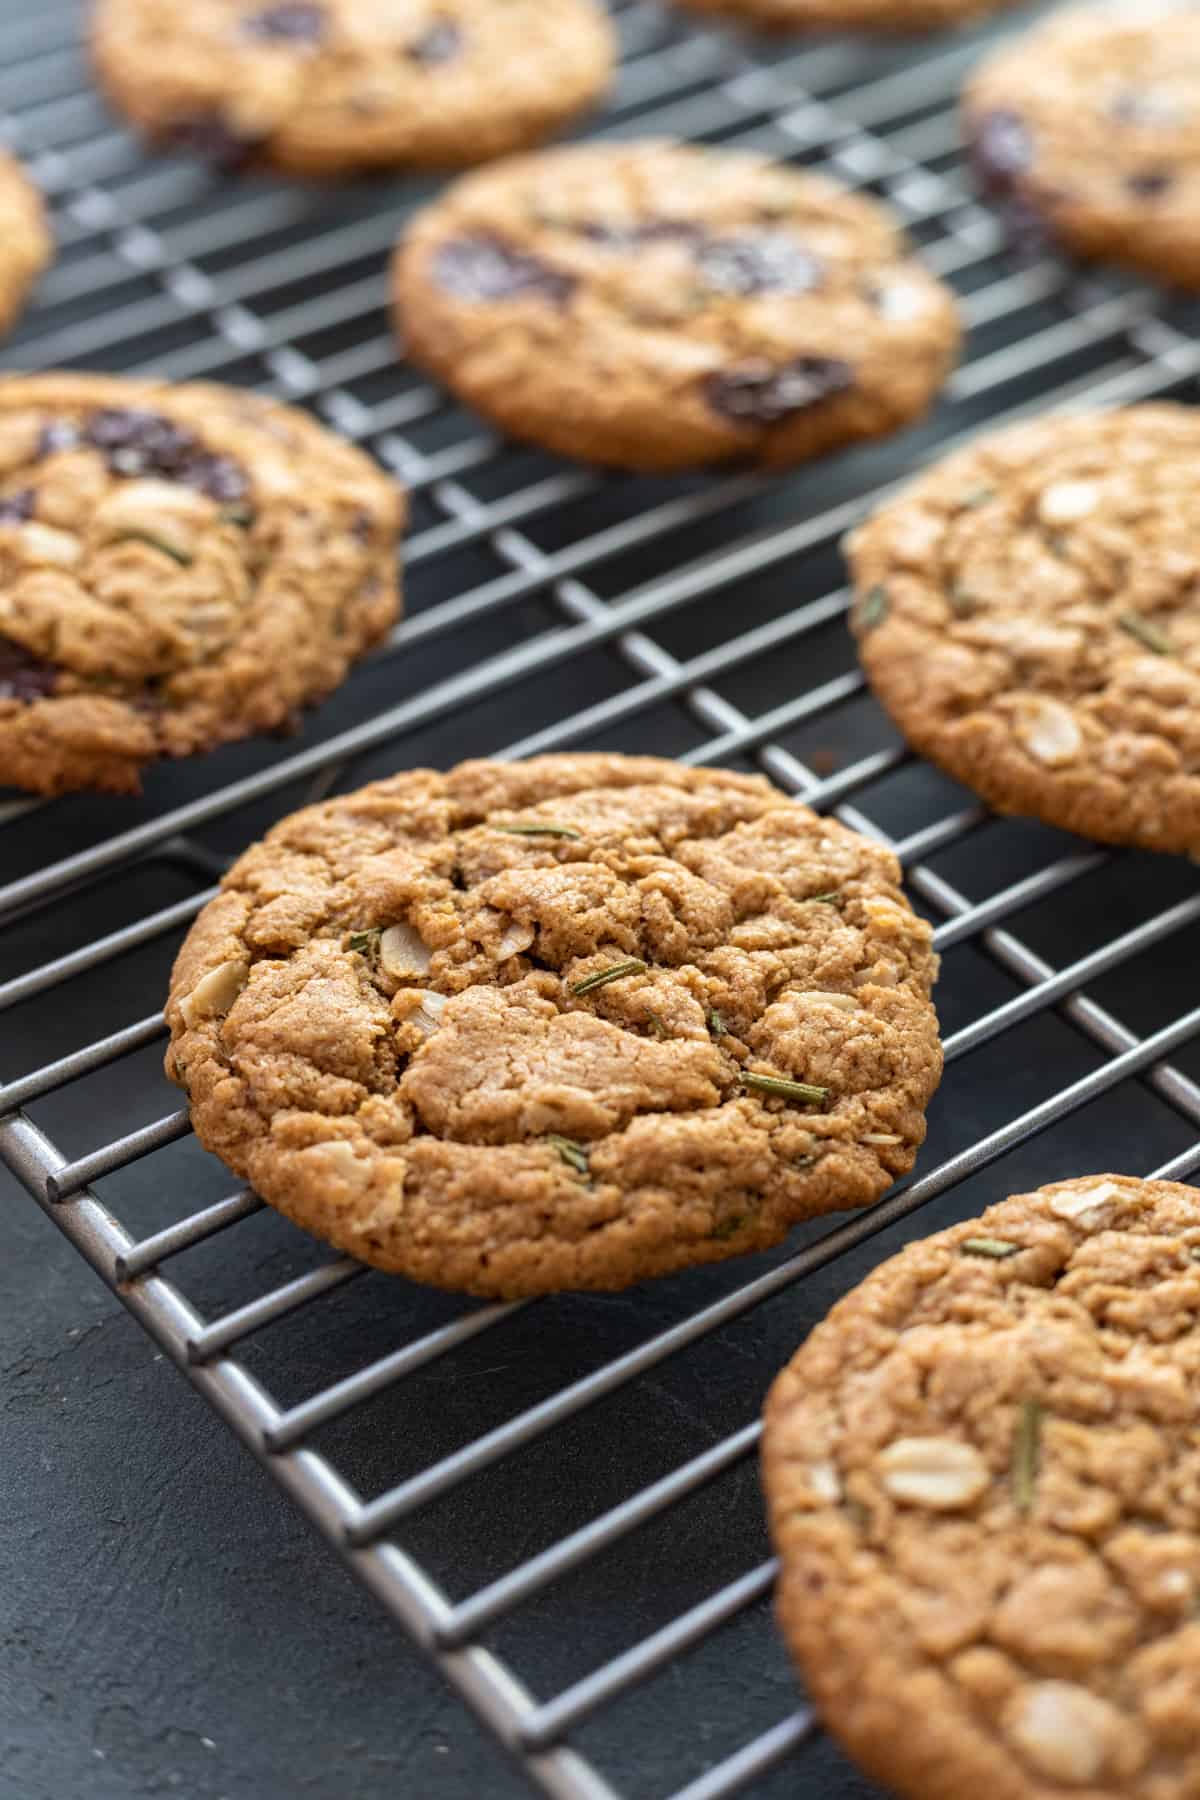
[(573, 1154), (716, 1024), (657, 1026), (832, 899), (872, 609), (787, 1090), (1144, 632), (236, 515), (962, 601), (999, 1248), (551, 831), (367, 942), (974, 497), (1026, 1453), (633, 965), (157, 543)]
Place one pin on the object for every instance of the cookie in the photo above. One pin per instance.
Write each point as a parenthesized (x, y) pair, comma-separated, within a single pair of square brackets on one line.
[(1027, 612), (1087, 132), (25, 242), (659, 306), (559, 1024), (182, 566), (328, 87), (886, 16), (982, 1471)]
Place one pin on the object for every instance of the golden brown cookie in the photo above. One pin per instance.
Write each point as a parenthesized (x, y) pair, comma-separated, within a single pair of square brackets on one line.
[(983, 1473), (885, 16), (660, 306), (1029, 614), (1087, 131), (559, 1024), (26, 245), (181, 566), (326, 87)]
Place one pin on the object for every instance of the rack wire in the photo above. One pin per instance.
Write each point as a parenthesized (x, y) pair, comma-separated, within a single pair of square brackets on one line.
[(701, 618)]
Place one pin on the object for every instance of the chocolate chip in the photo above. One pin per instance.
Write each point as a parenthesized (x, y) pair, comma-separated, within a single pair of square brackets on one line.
[(440, 44), (293, 23), (16, 508), (217, 476), (211, 138), (763, 393), (1149, 182), (24, 676), (486, 268), (1002, 148), (146, 443), (762, 262), (59, 434)]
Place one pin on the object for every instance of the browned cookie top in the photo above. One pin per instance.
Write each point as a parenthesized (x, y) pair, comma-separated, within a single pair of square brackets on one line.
[(656, 305), (1089, 125), (892, 16), (321, 86), (556, 1024), (178, 566), (1029, 612), (25, 242), (983, 1472)]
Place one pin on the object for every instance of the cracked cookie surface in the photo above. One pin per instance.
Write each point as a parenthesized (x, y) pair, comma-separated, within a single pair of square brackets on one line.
[(558, 1024), (1029, 614), (179, 567), (661, 306), (885, 16), (982, 1472), (26, 245), (322, 87), (1086, 131)]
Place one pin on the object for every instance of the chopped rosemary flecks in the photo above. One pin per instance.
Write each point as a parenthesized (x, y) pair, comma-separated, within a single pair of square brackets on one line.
[(833, 899), (236, 515), (1145, 632), (999, 1248), (728, 1227), (156, 543), (716, 1024), (962, 601), (1026, 1453), (786, 1090), (978, 496), (872, 609), (554, 831), (632, 965), (573, 1154), (367, 942), (657, 1026)]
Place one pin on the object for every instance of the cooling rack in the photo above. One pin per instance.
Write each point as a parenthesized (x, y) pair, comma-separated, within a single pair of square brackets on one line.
[(559, 1500)]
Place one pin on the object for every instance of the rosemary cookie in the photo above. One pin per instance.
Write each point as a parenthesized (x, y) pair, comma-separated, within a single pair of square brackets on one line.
[(1087, 131), (182, 566), (327, 87), (558, 1024), (25, 242), (660, 306), (884, 16), (1028, 613), (982, 1477)]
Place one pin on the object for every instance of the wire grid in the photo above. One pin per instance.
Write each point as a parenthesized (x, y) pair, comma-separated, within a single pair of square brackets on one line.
[(596, 611)]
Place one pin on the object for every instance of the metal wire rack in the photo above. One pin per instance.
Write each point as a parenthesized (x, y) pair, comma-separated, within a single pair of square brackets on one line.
[(622, 1577)]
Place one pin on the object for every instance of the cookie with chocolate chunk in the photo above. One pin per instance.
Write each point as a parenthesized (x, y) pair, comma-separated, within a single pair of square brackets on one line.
[(893, 17), (658, 306), (1086, 131), (981, 1472), (1027, 612), (326, 87), (25, 242), (182, 566), (559, 1024)]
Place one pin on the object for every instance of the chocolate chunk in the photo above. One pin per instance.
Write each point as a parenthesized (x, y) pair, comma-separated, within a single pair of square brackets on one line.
[(1150, 182), (761, 262), (59, 434), (146, 443), (24, 676), (486, 268), (16, 508), (763, 393), (440, 44), (214, 140), (1001, 149), (219, 477), (293, 23)]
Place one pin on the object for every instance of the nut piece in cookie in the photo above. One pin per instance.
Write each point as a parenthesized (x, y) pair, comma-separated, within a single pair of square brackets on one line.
[(1084, 132), (1027, 613), (560, 1024), (329, 87), (980, 1477), (660, 306), (183, 566)]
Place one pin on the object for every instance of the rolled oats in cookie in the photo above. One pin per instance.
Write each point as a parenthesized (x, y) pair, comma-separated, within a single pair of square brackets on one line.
[(1029, 614), (179, 567), (327, 87), (1086, 131), (661, 306), (25, 242), (560, 1024), (897, 17), (982, 1474)]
